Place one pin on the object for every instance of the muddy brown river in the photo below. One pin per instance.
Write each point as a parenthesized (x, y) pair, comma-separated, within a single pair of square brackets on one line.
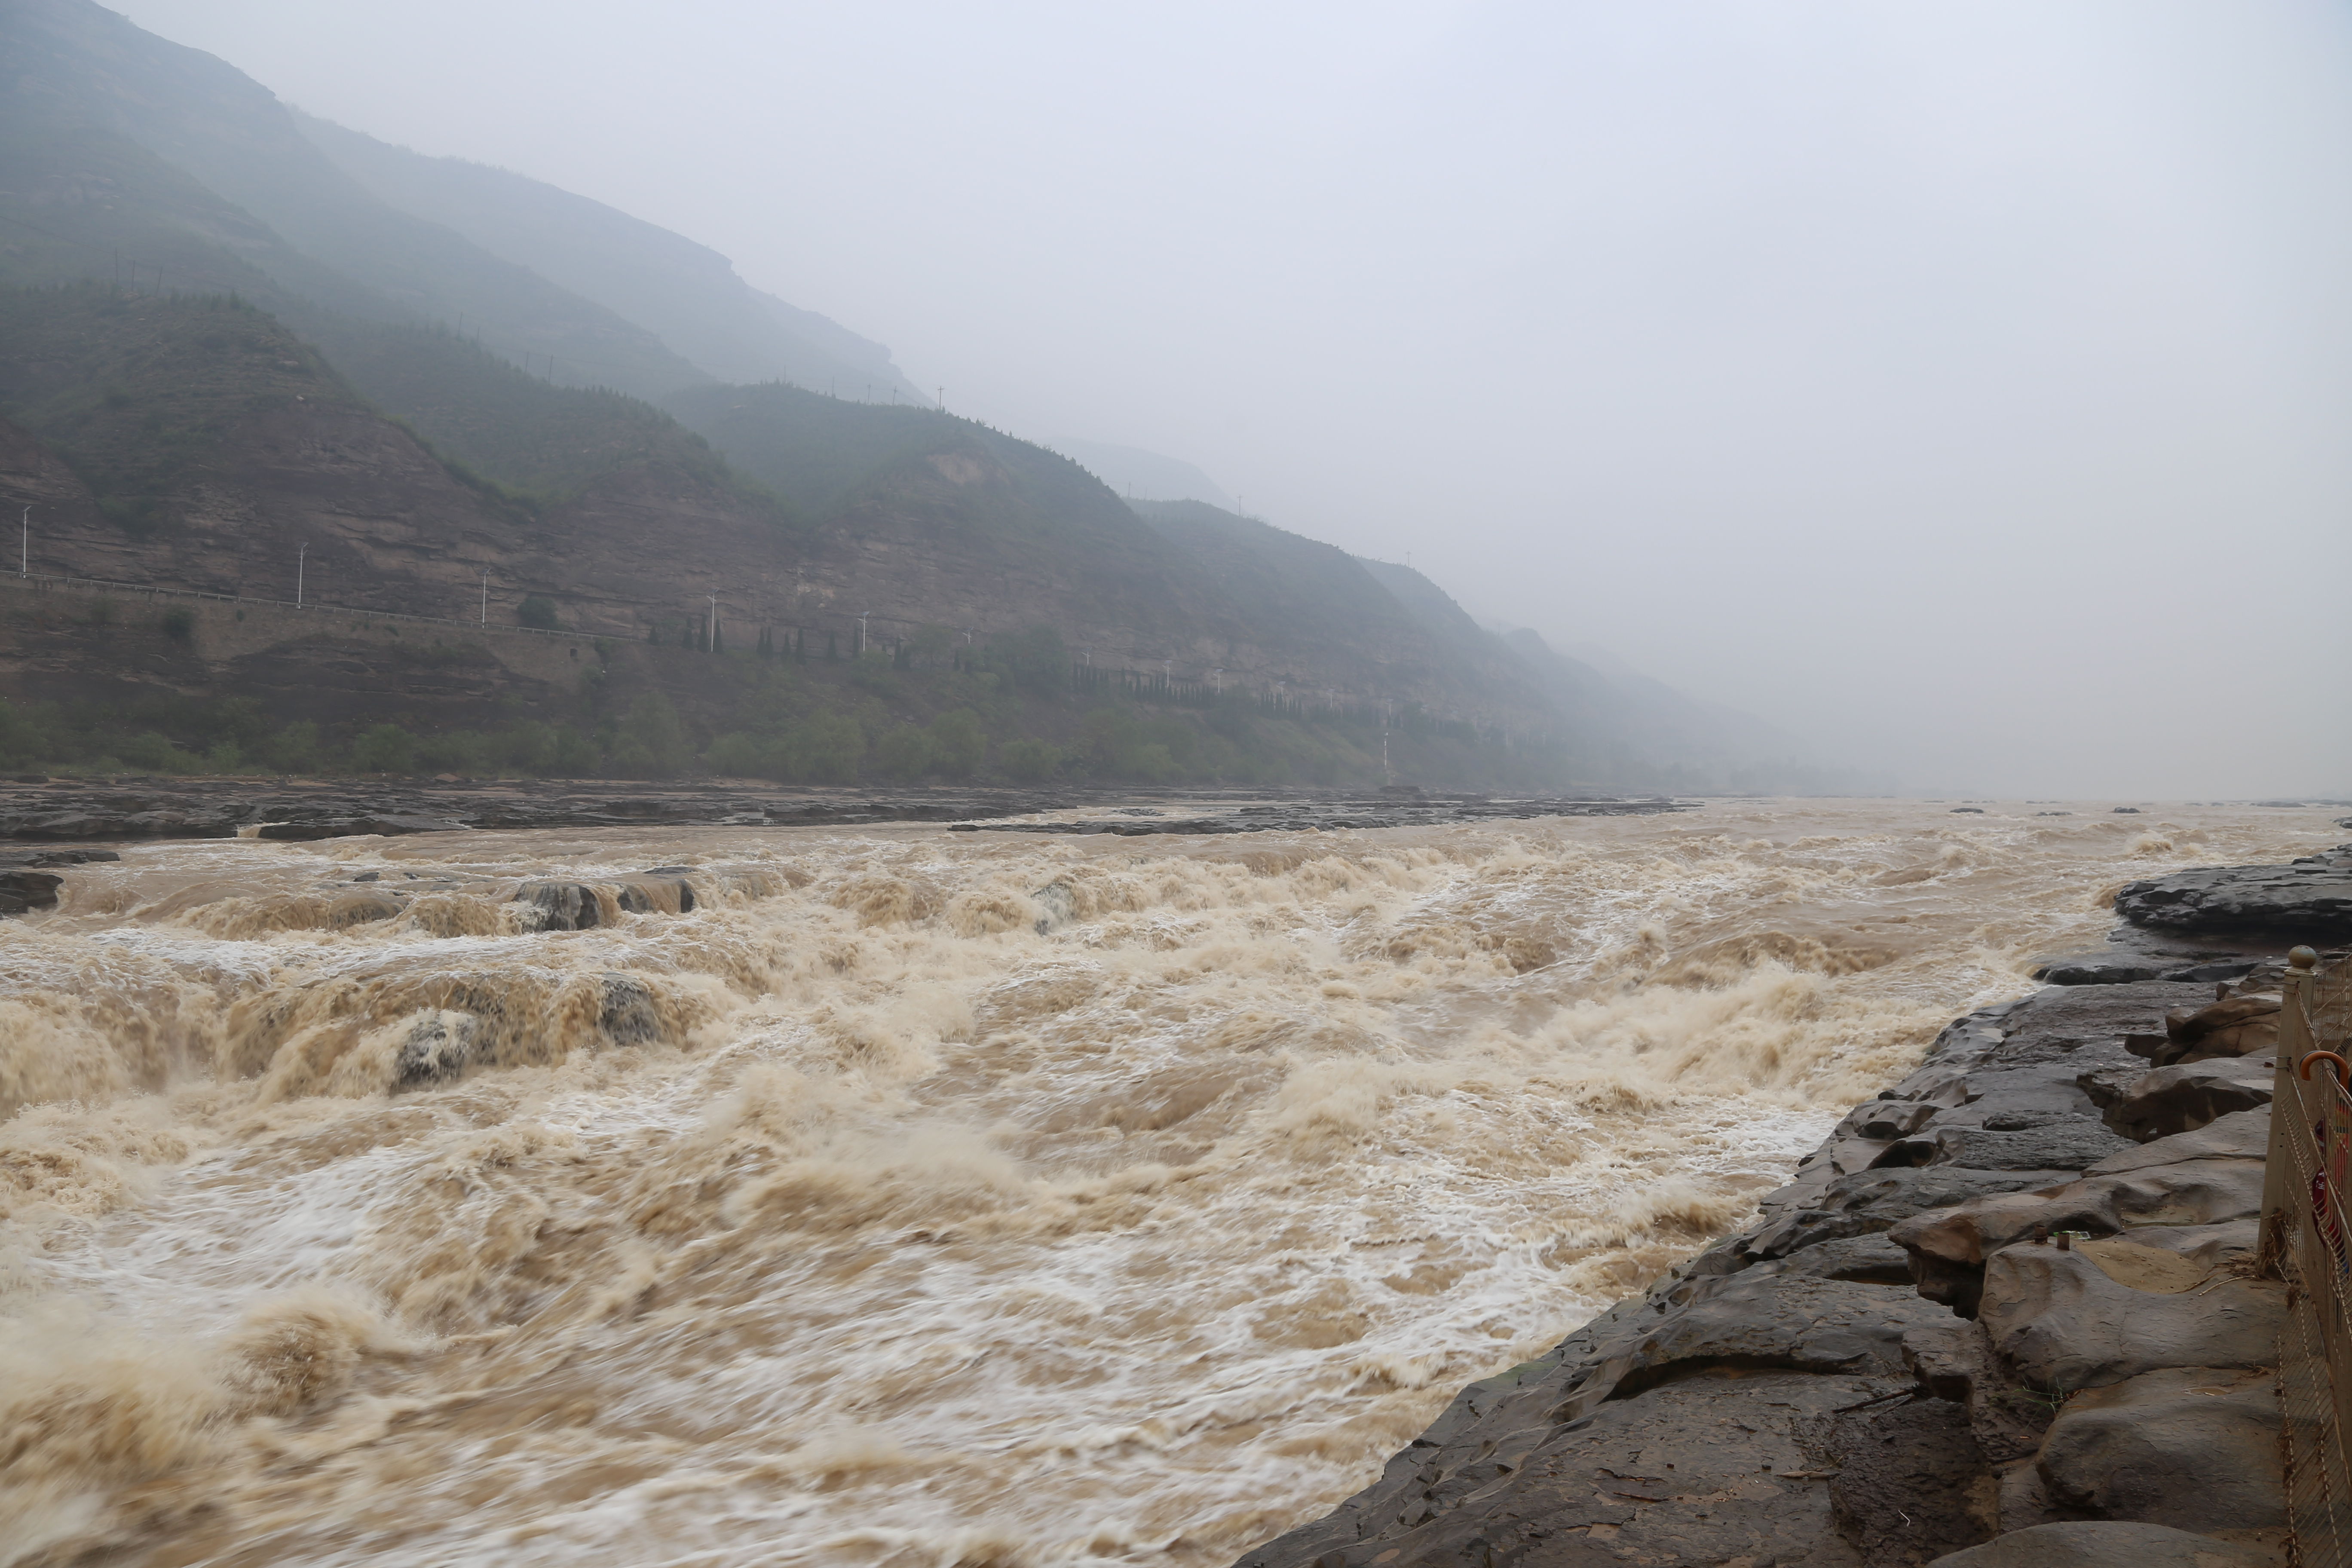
[(917, 1198)]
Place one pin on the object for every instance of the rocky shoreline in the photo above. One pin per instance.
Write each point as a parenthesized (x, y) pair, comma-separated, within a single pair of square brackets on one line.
[(62, 810), (2004, 1317)]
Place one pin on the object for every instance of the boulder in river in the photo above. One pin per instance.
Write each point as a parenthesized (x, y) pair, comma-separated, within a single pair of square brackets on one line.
[(562, 906), (2307, 901), (23, 890)]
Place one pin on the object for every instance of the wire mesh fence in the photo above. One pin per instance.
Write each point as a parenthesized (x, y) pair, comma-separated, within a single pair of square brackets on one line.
[(2308, 1240)]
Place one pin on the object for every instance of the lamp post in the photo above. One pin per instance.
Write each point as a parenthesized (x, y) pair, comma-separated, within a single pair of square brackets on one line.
[(1220, 680), (861, 632), (301, 560), (25, 543)]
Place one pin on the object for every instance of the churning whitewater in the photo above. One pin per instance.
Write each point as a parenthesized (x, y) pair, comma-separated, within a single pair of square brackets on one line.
[(916, 1198)]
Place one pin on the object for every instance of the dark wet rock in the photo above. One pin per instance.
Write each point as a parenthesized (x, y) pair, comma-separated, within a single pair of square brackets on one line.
[(1890, 1119), (1878, 1200), (2064, 1324), (2186, 1096), (1911, 1482), (1868, 1259), (22, 892), (1059, 900), (2240, 1026), (2309, 901), (562, 906), (2237, 1135), (655, 892), (1954, 1360), (363, 909), (1649, 1479), (2061, 1142), (2187, 1446), (2104, 1543), (626, 1012), (1791, 1322), (2061, 1022), (23, 859), (437, 1049), (1949, 1247)]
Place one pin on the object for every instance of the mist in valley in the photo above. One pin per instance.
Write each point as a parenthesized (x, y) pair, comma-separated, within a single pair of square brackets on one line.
[(1957, 390)]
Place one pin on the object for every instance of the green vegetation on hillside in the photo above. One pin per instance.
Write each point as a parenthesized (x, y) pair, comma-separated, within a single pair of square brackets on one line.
[(137, 393), (812, 451), (533, 437)]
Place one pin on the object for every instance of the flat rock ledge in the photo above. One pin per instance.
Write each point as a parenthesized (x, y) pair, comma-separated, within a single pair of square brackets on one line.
[(2004, 1318)]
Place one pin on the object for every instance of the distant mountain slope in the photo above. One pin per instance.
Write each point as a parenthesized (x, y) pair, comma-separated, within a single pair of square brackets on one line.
[(1295, 592), (1139, 475), (1654, 718), (686, 293), (77, 67)]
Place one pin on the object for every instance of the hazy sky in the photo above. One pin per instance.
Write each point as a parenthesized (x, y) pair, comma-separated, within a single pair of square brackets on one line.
[(1964, 386)]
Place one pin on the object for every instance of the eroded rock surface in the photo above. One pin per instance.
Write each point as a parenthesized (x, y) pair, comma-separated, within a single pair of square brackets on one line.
[(2308, 900)]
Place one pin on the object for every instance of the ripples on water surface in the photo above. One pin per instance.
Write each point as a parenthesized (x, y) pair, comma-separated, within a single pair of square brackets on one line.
[(851, 1218)]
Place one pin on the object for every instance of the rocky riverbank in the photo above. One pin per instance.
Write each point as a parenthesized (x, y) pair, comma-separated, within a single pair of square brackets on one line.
[(2005, 1315), (59, 810)]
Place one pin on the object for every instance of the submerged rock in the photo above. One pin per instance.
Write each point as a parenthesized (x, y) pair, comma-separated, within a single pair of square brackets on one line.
[(21, 891), (438, 1048), (562, 906)]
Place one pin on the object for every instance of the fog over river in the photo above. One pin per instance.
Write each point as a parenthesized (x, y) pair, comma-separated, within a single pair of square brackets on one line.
[(918, 1198)]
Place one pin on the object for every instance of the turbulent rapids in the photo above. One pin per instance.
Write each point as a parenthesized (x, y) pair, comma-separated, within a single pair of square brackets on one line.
[(914, 1198)]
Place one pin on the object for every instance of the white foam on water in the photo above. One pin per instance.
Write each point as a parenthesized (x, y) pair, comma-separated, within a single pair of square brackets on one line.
[(851, 1218)]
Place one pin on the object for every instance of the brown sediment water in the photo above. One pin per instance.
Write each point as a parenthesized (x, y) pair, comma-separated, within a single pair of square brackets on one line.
[(918, 1198)]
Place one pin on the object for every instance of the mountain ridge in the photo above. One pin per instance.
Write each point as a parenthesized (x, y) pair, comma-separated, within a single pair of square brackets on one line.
[(229, 430)]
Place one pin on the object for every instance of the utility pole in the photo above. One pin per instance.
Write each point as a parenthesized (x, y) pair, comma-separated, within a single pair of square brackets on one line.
[(486, 598), (1220, 680), (300, 561), (861, 632), (943, 400), (25, 543), (711, 639)]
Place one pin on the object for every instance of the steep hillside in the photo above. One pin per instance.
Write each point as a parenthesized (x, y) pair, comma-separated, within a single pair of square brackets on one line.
[(78, 67), (80, 202), (530, 435), (1295, 593), (1139, 475), (686, 294)]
